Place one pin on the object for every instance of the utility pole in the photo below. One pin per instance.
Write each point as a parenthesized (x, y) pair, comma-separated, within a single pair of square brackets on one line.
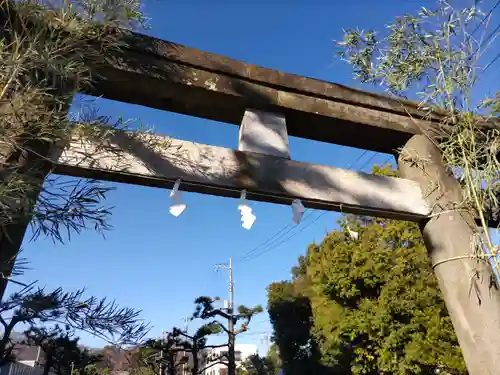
[(230, 311), (161, 352), (186, 320), (232, 338), (267, 339)]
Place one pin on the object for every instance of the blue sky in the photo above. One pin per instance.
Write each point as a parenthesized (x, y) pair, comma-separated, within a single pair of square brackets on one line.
[(158, 263)]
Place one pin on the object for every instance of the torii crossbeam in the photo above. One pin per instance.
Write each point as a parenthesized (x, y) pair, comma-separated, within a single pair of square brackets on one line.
[(268, 106), (176, 78)]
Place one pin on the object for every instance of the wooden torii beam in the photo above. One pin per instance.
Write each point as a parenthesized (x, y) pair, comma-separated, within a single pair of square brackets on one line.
[(168, 76), (152, 160), (181, 79)]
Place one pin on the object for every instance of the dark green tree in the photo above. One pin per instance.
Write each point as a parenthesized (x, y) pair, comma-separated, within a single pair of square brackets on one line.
[(194, 344), (257, 365), (161, 356), (45, 48), (62, 353), (437, 57), (291, 316), (178, 347), (274, 359), (38, 308), (376, 304), (206, 310), (369, 305)]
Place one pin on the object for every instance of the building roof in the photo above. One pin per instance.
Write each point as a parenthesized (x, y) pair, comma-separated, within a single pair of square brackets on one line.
[(24, 352)]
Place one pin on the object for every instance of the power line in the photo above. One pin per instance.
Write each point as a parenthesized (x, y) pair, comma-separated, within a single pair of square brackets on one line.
[(498, 55), (289, 227), (252, 333), (288, 238), (491, 63), (270, 241), (487, 16), (482, 43), (369, 160), (310, 223), (274, 240), (270, 248), (490, 36)]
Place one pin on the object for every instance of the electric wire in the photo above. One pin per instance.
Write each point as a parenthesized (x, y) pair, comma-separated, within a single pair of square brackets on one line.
[(486, 17), (271, 247), (289, 227)]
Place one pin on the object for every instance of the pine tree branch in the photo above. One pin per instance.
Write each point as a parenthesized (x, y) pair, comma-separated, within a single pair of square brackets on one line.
[(3, 322), (243, 328), (220, 313), (178, 332), (215, 322)]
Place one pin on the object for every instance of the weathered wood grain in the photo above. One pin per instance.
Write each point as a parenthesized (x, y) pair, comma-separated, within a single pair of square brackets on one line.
[(468, 284), (169, 76), (152, 160)]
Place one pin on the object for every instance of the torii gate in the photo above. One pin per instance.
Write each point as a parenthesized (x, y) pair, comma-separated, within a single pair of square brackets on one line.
[(269, 105)]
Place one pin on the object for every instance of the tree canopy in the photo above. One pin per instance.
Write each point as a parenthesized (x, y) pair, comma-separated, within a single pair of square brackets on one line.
[(62, 352), (439, 56), (45, 49), (205, 309), (369, 305), (38, 309), (257, 365)]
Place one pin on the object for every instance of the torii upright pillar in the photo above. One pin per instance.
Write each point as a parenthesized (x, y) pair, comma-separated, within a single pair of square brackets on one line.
[(468, 284)]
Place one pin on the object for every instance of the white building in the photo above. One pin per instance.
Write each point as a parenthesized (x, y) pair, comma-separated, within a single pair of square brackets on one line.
[(210, 357)]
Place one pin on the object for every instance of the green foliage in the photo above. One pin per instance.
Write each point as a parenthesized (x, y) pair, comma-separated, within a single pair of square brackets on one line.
[(256, 365), (379, 302), (93, 369), (245, 312), (159, 354), (425, 51), (206, 330), (45, 49), (437, 56), (35, 308), (124, 13), (274, 359), (141, 370), (366, 306), (62, 351), (493, 104), (200, 337), (205, 310), (291, 316)]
